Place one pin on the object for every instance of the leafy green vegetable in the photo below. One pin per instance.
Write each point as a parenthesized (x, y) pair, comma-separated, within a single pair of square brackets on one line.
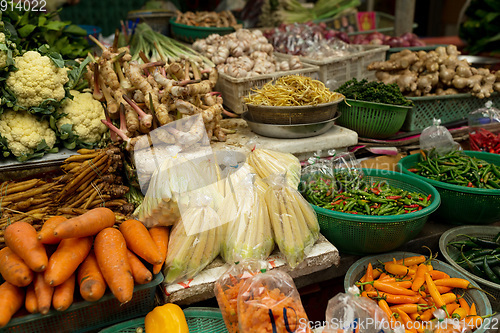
[(373, 91), (480, 30), (32, 29)]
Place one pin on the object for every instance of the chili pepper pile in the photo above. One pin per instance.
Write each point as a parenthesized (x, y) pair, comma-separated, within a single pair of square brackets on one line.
[(480, 256), (484, 140), (378, 198), (459, 169), (409, 290)]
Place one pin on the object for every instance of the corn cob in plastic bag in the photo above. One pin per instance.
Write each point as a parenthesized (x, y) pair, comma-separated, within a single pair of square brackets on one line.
[(269, 162), (294, 222)]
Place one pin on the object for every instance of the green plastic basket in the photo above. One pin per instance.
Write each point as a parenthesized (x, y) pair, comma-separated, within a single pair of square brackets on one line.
[(189, 33), (365, 234), (461, 204), (199, 320), (372, 120), (483, 305), (451, 254), (447, 108), (86, 316)]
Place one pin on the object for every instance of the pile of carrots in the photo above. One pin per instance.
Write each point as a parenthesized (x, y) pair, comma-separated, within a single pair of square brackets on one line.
[(43, 269), (410, 290)]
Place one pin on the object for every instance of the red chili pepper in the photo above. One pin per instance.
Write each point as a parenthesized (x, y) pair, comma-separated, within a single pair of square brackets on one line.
[(412, 206), (337, 202), (413, 170), (376, 190), (429, 197), (394, 197), (469, 184)]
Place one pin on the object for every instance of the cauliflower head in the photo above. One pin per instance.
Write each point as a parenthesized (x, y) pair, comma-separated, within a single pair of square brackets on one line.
[(24, 131), (3, 54), (36, 79), (85, 114)]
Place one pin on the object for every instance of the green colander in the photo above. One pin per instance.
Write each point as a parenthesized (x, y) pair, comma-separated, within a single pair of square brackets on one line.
[(460, 204)]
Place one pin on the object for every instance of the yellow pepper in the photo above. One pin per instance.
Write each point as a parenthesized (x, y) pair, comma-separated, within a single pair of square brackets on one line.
[(168, 318)]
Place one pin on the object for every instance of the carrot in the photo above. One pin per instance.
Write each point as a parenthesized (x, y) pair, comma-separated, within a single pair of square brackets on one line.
[(419, 279), (90, 279), (160, 237), (44, 293), (111, 254), (69, 255), (11, 300), (31, 303), (140, 242), (46, 234), (22, 239), (63, 294), (140, 272), (87, 224), (13, 269)]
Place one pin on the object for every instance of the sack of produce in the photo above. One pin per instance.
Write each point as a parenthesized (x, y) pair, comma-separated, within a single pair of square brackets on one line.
[(347, 312), (194, 241), (267, 162), (295, 224), (436, 139), (270, 302), (228, 286), (248, 230), (484, 129)]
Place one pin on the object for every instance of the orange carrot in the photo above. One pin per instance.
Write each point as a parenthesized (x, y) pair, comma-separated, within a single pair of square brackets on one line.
[(13, 269), (46, 234), (22, 239), (140, 272), (90, 279), (87, 224), (44, 293), (69, 255), (30, 303), (140, 242), (11, 300), (111, 254), (63, 294), (160, 237)]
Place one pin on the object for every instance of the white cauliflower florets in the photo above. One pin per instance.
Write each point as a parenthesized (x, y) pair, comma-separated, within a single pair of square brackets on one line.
[(23, 132), (85, 114), (36, 79), (3, 54)]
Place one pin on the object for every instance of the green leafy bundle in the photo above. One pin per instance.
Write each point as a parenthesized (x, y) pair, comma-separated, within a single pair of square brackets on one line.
[(480, 31), (373, 91)]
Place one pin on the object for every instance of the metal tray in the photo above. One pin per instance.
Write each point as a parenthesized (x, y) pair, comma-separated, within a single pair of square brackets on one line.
[(292, 115), (295, 131)]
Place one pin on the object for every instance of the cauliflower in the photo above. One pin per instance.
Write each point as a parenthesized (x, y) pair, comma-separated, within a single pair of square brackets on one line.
[(85, 114), (3, 54), (36, 79), (24, 131)]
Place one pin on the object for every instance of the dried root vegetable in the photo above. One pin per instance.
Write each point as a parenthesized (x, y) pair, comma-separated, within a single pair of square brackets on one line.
[(243, 53), (292, 90), (437, 72), (207, 19)]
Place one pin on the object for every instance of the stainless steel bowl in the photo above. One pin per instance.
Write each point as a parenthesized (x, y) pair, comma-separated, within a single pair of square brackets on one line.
[(479, 61), (292, 115), (295, 131)]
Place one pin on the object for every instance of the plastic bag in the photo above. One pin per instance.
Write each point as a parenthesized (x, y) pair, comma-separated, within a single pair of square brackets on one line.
[(194, 241), (228, 285), (437, 140), (270, 302), (484, 129), (349, 312), (267, 162), (295, 224), (347, 172), (248, 233), (318, 173)]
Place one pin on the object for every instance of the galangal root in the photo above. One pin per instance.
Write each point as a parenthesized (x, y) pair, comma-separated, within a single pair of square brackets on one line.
[(437, 72), (142, 97)]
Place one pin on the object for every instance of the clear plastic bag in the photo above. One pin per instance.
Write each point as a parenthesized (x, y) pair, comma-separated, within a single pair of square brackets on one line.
[(318, 173), (484, 129), (270, 302), (347, 172), (248, 231), (349, 312), (267, 162), (295, 224), (227, 288), (437, 140), (194, 241)]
